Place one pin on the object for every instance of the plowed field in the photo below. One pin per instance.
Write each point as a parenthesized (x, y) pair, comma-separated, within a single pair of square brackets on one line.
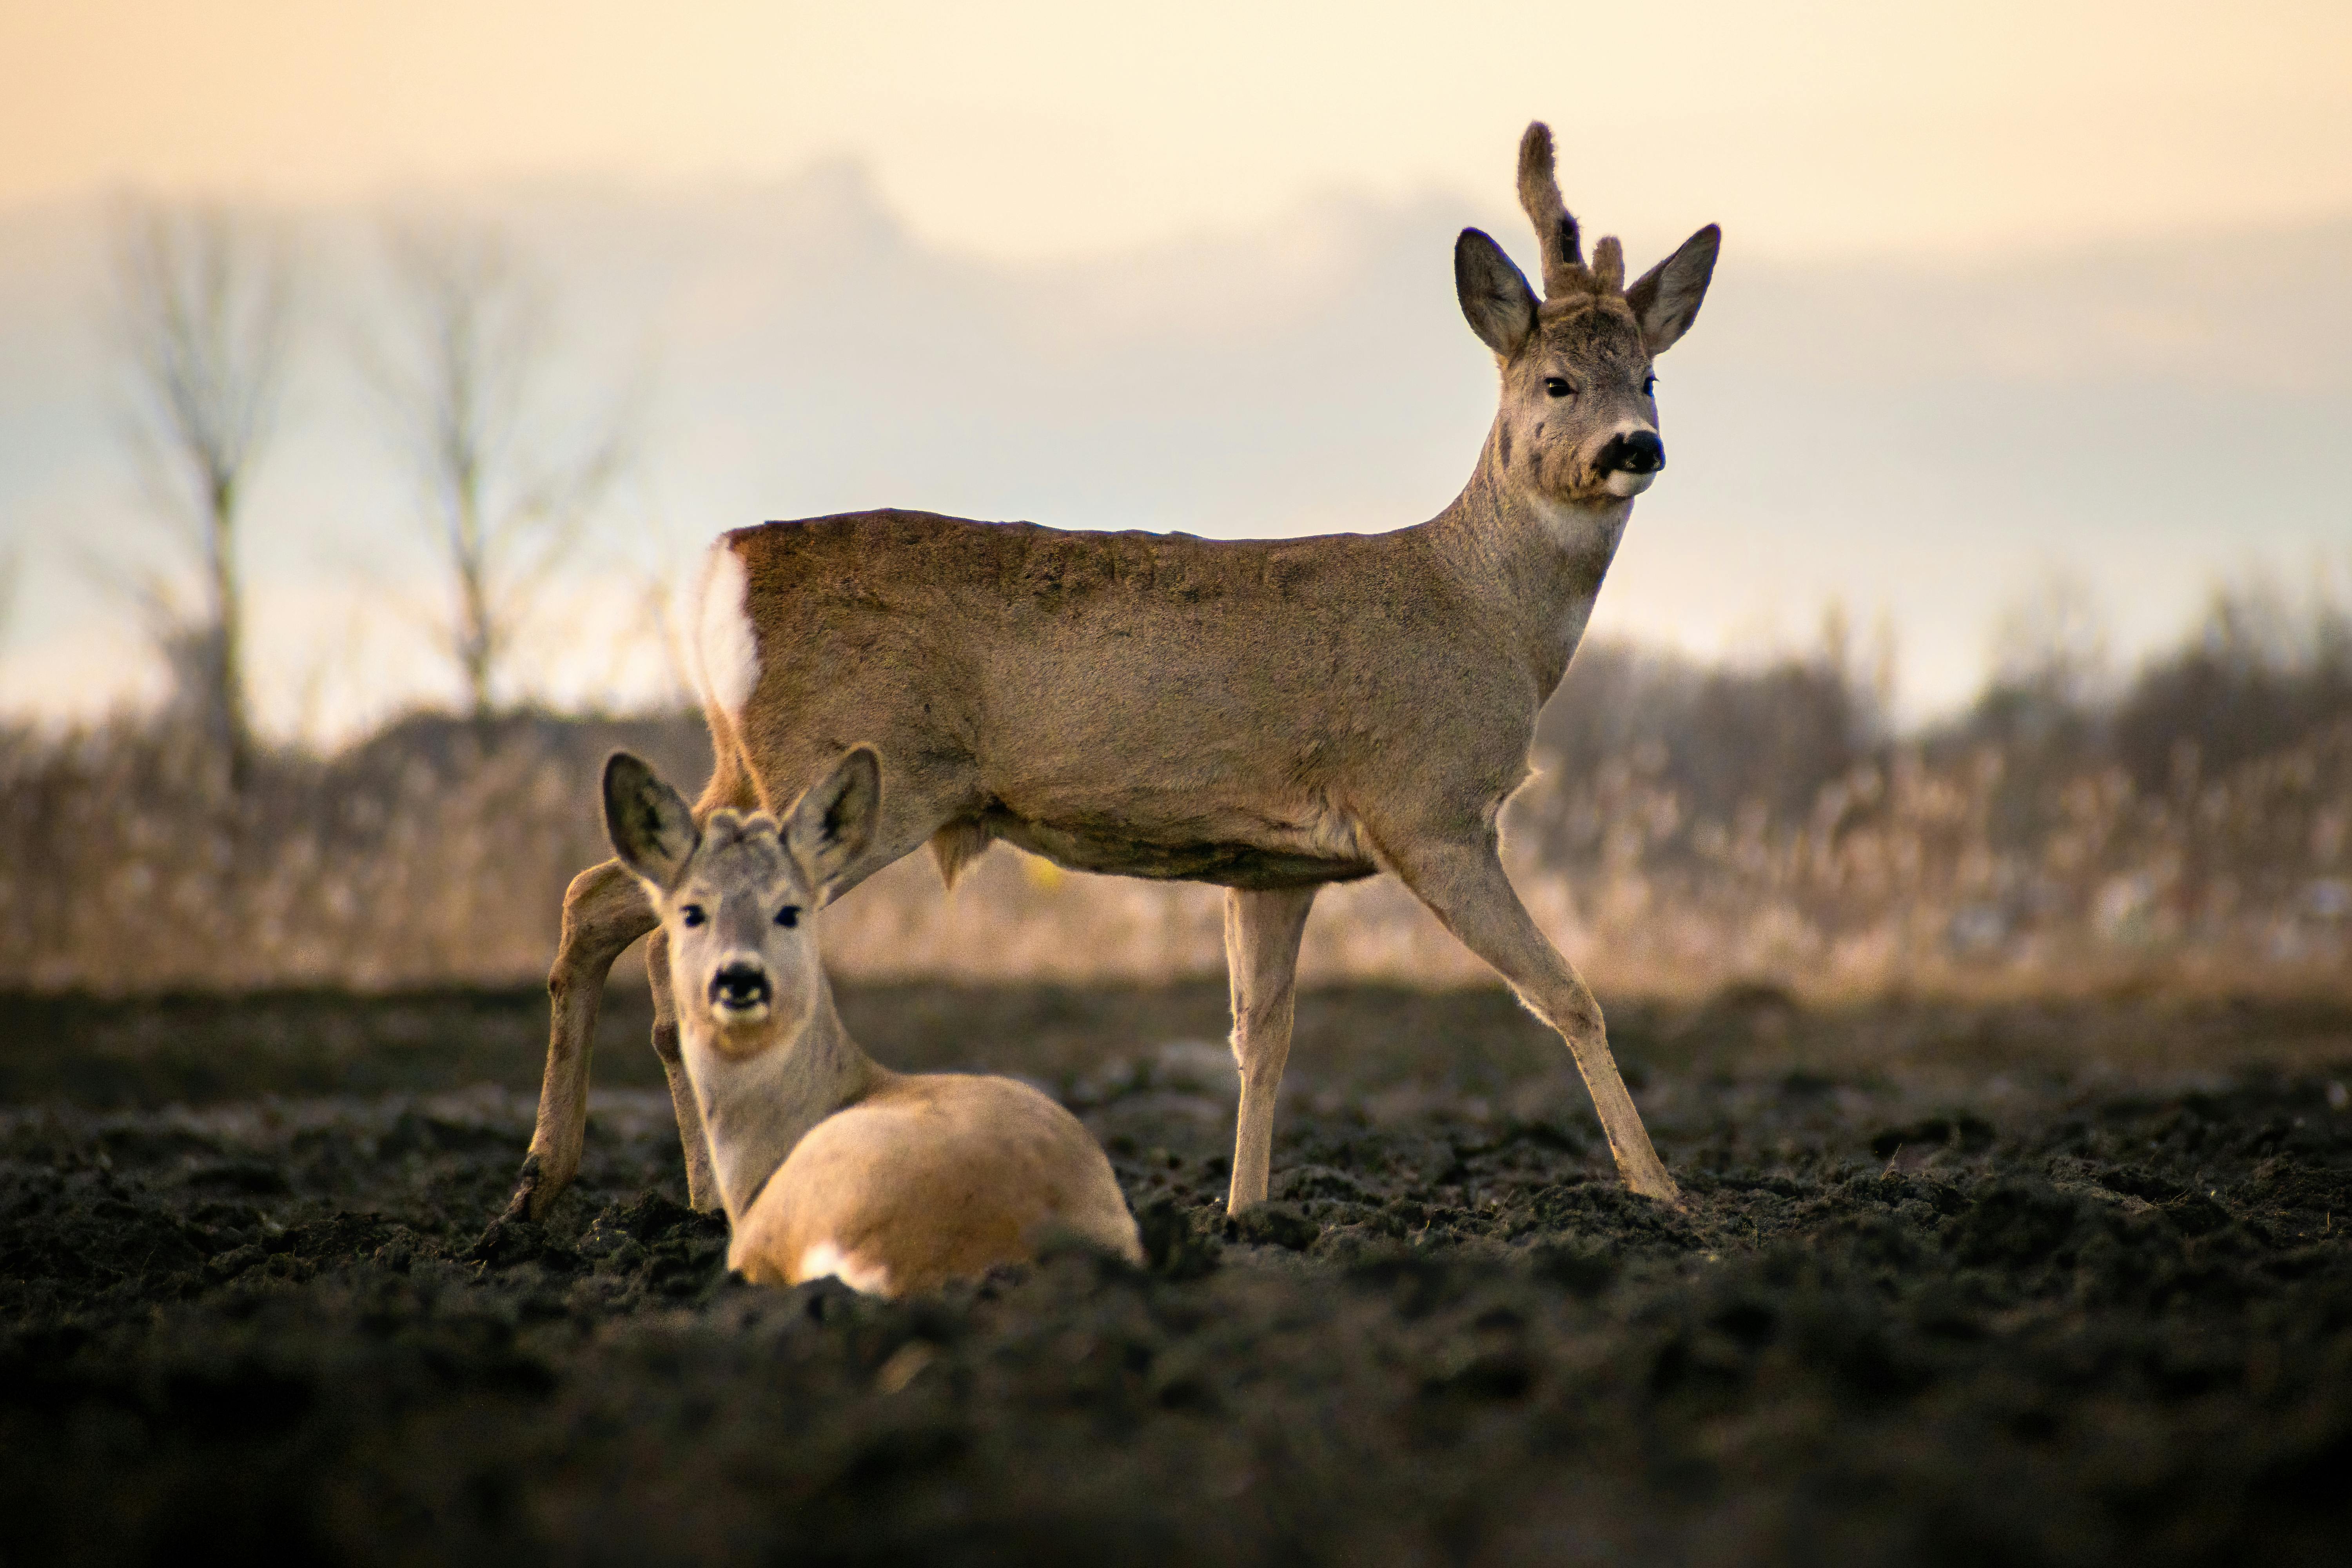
[(2015, 1284)]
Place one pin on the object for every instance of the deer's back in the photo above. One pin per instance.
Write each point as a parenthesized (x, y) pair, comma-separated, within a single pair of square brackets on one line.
[(1122, 701), (931, 1178)]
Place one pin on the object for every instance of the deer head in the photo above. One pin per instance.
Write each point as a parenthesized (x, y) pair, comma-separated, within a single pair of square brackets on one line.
[(737, 896), (1578, 424)]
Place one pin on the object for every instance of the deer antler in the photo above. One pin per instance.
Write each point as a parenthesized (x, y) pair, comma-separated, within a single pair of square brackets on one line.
[(1609, 264), (1563, 252), (1564, 271)]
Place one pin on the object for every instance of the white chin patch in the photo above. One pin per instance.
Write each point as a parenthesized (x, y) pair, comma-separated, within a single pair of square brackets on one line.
[(729, 652), (1621, 483), (738, 1014), (826, 1258)]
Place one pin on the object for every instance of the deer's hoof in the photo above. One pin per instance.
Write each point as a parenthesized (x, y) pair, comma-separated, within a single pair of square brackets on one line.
[(522, 1205)]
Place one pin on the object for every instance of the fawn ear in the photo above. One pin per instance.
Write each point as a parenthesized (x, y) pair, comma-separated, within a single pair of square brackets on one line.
[(831, 824), (1495, 299), (1666, 298), (651, 829)]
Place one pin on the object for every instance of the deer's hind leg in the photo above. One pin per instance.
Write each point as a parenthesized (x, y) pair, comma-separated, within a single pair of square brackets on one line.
[(1464, 886), (605, 910), (1262, 927), (701, 1185)]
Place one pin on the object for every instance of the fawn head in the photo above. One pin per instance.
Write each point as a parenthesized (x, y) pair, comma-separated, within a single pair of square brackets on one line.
[(737, 896), (1579, 419)]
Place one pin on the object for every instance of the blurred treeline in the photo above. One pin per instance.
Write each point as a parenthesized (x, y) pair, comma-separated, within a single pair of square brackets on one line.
[(1690, 826), (2189, 826)]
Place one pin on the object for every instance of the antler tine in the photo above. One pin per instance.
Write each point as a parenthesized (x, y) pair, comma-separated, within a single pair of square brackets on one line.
[(1563, 252), (1609, 264)]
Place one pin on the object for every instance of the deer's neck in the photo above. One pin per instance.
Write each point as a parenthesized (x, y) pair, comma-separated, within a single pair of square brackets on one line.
[(756, 1108), (1534, 565)]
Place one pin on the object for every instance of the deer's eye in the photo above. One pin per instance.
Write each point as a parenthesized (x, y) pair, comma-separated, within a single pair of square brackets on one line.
[(691, 915), (1649, 386), (789, 916), (1558, 386)]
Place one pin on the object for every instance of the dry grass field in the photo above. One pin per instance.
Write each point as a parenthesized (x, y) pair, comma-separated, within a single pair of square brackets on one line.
[(1686, 828)]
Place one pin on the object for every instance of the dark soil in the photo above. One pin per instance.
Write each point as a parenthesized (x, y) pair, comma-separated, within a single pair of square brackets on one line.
[(2020, 1284)]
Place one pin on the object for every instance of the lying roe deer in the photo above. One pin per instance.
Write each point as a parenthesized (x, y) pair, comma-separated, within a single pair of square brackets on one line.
[(1268, 715), (827, 1164)]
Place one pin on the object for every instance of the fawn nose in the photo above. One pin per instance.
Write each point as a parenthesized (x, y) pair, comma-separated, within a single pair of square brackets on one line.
[(740, 985), (1632, 452)]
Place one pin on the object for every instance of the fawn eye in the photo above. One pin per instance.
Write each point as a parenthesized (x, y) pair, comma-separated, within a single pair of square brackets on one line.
[(690, 915), (1649, 386), (1558, 386), (789, 916)]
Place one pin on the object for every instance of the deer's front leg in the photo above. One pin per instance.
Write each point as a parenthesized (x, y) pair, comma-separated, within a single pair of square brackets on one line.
[(1262, 933), (701, 1185), (604, 909), (1464, 886)]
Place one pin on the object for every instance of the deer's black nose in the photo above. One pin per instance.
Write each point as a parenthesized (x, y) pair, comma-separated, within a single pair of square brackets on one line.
[(1635, 452), (740, 985)]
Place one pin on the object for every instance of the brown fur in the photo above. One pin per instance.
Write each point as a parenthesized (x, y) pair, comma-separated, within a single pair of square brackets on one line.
[(1266, 715), (979, 1172)]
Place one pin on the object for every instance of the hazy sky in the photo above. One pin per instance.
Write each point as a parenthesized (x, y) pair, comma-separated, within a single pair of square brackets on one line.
[(1045, 129), (2008, 289)]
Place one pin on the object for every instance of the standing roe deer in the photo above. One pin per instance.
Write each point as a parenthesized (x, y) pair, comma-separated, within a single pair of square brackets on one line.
[(827, 1164), (1268, 715)]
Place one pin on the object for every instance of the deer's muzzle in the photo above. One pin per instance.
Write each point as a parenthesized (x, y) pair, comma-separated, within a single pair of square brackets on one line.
[(741, 990), (1629, 461), (1631, 452)]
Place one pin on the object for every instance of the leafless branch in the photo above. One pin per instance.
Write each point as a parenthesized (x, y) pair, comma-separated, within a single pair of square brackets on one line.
[(462, 379), (202, 314)]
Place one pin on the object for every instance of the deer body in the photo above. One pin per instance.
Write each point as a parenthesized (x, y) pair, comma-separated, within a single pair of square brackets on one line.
[(978, 1170), (1269, 715), (1162, 706), (825, 1161)]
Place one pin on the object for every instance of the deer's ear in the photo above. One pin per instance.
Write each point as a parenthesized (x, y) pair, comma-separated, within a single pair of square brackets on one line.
[(649, 824), (831, 825), (1495, 299), (1666, 298)]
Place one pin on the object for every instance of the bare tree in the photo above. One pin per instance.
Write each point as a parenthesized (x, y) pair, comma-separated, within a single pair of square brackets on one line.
[(2050, 642), (464, 377), (202, 310)]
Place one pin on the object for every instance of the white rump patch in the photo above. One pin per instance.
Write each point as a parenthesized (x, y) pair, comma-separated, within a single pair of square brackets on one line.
[(724, 644), (826, 1258)]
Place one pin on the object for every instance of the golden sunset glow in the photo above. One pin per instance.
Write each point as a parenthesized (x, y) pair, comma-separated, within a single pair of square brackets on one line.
[(1035, 130)]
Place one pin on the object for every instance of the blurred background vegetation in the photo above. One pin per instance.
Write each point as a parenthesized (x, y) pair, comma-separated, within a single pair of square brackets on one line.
[(1691, 825)]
